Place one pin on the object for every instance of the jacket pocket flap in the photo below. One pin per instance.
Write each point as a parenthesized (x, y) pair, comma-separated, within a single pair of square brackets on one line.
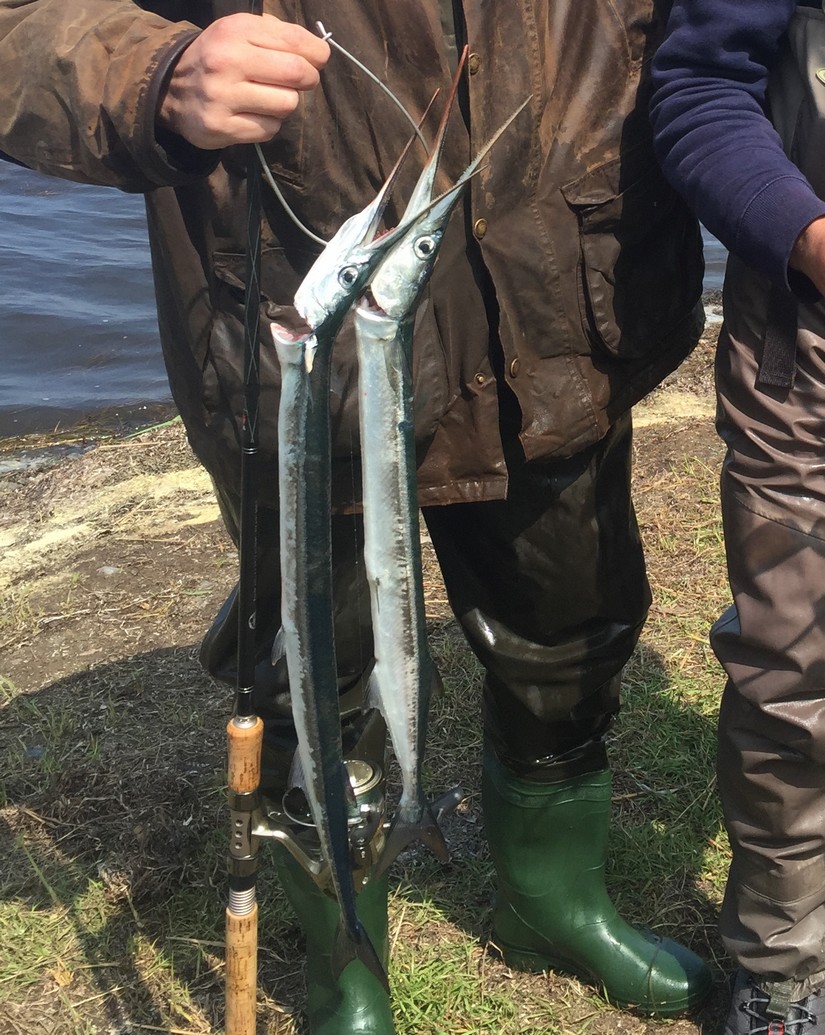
[(640, 259)]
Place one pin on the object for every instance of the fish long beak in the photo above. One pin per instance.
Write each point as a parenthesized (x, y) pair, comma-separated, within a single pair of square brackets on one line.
[(422, 195), (405, 267), (437, 210), (374, 212), (350, 259), (343, 267), (421, 200), (423, 190)]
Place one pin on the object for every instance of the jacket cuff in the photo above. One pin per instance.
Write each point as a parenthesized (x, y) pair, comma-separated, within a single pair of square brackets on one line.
[(169, 154), (164, 159)]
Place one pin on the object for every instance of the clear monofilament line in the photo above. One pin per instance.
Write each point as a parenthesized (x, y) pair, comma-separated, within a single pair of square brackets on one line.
[(328, 37), (273, 183)]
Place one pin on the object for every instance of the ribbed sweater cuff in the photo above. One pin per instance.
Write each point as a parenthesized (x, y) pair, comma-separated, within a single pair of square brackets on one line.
[(770, 226)]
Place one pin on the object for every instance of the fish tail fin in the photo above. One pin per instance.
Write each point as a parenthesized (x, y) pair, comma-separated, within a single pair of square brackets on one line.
[(279, 646), (404, 831), (354, 944)]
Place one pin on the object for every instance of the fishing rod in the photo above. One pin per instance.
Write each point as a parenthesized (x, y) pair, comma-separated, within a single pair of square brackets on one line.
[(249, 823), (245, 729)]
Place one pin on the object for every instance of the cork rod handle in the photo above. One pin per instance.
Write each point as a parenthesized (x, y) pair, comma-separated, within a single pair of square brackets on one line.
[(244, 741)]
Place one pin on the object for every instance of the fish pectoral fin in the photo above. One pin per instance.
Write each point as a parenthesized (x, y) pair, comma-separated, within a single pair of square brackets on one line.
[(404, 832), (356, 945), (278, 646), (373, 695)]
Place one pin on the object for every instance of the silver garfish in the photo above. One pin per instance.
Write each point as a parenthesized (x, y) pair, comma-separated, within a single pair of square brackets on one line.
[(404, 672), (306, 637)]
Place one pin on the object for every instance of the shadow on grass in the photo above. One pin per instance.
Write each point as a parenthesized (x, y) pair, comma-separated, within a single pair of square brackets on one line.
[(112, 842), (111, 852), (668, 851)]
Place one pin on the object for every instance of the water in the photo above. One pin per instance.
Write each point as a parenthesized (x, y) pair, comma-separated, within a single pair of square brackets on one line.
[(715, 258), (78, 332)]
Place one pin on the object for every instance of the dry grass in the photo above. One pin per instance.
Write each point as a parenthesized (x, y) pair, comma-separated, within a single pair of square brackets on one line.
[(112, 816)]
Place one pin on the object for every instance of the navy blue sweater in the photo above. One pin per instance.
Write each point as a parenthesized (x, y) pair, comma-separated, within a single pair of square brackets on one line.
[(712, 137)]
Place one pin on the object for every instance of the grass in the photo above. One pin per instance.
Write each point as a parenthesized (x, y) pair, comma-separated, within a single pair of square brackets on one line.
[(112, 815)]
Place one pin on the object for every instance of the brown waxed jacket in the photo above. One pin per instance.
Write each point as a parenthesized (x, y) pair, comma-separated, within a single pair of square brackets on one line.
[(571, 251)]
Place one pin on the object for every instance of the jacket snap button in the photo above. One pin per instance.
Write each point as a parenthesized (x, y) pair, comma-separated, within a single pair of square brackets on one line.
[(479, 379), (473, 63), (480, 228), (514, 367)]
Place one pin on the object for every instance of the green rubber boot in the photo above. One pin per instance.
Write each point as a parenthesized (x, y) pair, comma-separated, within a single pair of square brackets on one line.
[(355, 1003), (549, 845)]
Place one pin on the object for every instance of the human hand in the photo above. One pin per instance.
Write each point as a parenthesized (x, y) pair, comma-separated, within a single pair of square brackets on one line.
[(808, 254), (239, 79)]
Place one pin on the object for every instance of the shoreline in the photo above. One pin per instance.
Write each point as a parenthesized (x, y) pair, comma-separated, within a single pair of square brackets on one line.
[(40, 450)]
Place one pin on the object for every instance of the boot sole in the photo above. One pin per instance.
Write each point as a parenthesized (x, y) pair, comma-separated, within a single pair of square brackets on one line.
[(536, 963)]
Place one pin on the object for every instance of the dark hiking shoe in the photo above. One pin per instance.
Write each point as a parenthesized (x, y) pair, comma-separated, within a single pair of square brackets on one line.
[(753, 1011)]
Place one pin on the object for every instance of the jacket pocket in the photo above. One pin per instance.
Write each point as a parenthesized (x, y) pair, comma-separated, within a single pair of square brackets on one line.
[(223, 362), (224, 371), (281, 274), (641, 262)]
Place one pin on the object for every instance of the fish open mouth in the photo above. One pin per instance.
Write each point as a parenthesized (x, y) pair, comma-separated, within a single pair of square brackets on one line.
[(370, 305), (287, 323), (284, 334)]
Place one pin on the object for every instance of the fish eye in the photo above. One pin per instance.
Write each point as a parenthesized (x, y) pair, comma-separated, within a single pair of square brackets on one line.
[(424, 247), (348, 276)]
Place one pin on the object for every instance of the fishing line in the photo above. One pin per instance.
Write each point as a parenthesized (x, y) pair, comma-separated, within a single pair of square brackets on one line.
[(328, 37), (278, 194), (273, 183)]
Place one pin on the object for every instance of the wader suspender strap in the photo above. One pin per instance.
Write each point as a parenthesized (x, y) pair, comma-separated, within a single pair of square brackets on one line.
[(778, 364), (798, 114)]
